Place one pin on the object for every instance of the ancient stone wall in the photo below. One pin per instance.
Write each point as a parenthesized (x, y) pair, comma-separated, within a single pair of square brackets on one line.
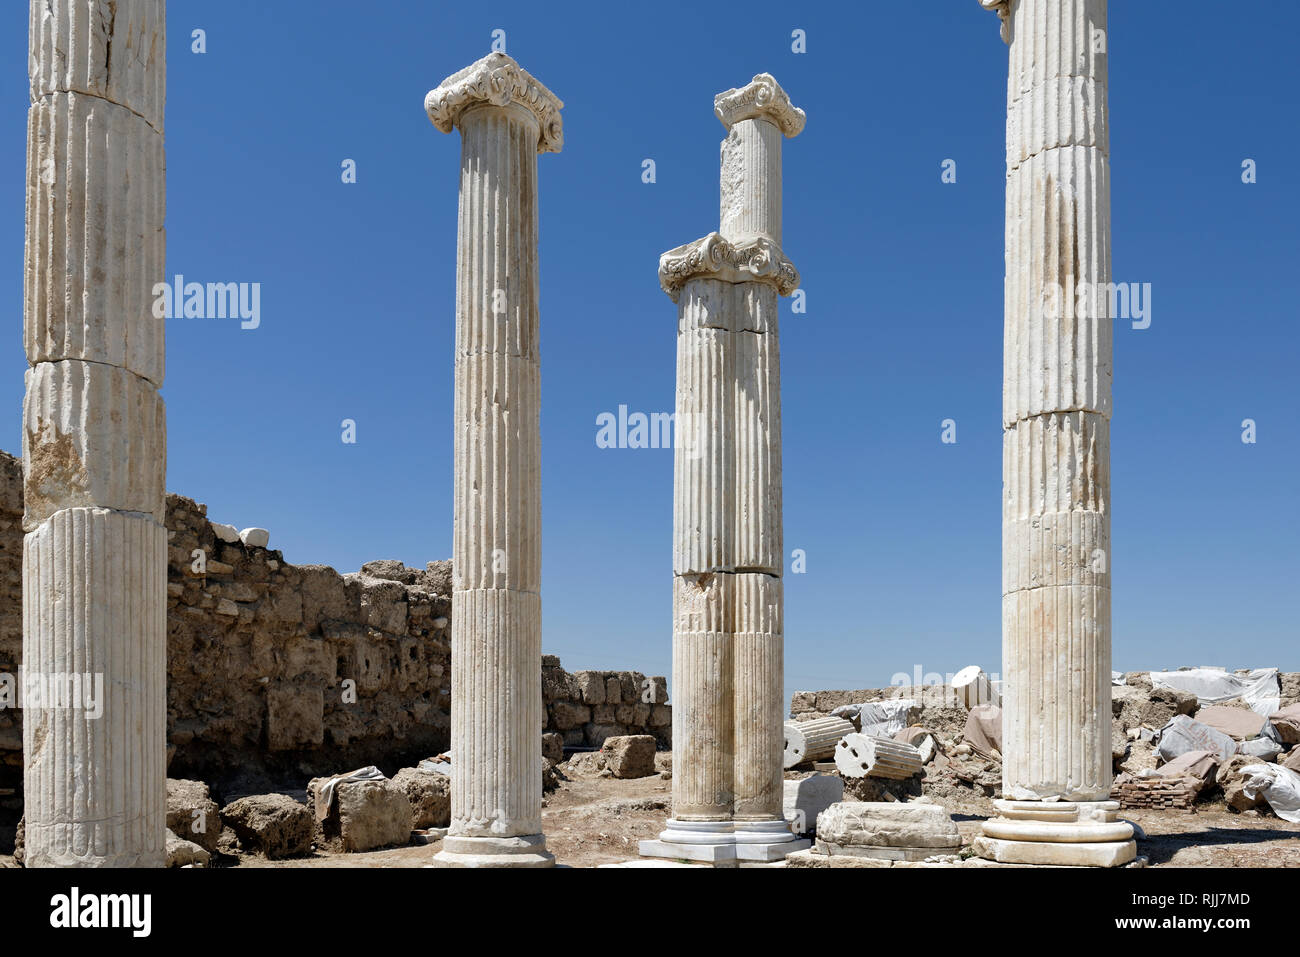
[(259, 650), (586, 707)]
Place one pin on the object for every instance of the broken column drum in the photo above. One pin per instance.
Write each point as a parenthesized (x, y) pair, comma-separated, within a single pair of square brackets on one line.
[(505, 117), (727, 553), (1056, 442), (813, 740), (867, 755), (94, 436)]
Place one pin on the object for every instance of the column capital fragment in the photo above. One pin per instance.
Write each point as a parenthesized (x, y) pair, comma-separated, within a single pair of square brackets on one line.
[(497, 80), (1003, 9), (713, 257), (760, 97)]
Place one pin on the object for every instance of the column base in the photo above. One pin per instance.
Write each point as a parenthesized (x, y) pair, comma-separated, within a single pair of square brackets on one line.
[(523, 850), (722, 842), (1061, 833)]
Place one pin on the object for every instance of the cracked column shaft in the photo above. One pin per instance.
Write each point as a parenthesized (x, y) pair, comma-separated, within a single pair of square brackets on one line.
[(94, 438), (1056, 650), (728, 738)]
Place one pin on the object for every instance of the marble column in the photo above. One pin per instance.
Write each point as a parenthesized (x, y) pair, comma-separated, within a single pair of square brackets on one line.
[(505, 117), (94, 438), (1056, 445), (728, 738)]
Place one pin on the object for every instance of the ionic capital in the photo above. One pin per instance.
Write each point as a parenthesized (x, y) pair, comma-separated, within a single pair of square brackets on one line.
[(498, 80), (762, 96), (712, 257)]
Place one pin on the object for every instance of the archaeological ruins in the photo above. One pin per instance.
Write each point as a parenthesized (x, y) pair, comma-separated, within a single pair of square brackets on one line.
[(174, 693)]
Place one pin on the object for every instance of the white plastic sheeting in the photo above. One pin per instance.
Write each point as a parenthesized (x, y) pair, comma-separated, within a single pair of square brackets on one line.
[(1279, 786), (1182, 734), (880, 718), (1259, 688)]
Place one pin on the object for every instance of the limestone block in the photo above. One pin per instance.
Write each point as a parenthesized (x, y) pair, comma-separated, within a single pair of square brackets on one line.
[(255, 537), (1105, 854), (365, 815), (553, 746), (429, 794), (888, 824), (95, 235), (591, 686), (629, 756), (93, 435), (94, 606), (613, 689), (566, 715), (192, 814), (383, 605), (324, 597), (225, 533), (595, 735), (295, 715), (805, 799), (183, 853), (274, 825)]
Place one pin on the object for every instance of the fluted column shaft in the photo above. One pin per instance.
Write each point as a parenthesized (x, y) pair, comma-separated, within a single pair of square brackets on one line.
[(1056, 406), (94, 438), (496, 708), (728, 738)]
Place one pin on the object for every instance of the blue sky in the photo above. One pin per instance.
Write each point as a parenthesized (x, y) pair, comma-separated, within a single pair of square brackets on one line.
[(903, 276)]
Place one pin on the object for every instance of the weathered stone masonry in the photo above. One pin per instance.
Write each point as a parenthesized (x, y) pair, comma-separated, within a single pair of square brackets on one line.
[(257, 649)]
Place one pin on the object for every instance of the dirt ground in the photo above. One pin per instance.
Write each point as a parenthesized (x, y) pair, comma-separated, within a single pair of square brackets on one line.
[(594, 820), (591, 821)]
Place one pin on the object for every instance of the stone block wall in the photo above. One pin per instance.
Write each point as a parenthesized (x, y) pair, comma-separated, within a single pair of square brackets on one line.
[(274, 670), (296, 667), (586, 707), (259, 653)]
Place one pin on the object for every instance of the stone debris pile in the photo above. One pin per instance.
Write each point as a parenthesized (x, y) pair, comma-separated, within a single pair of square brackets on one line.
[(1169, 749)]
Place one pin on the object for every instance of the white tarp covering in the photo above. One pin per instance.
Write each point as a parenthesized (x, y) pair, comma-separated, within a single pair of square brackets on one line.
[(1259, 688), (882, 719), (1279, 786), (1182, 734)]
